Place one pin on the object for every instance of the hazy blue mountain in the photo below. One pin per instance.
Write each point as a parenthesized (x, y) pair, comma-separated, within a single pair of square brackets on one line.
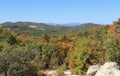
[(65, 24)]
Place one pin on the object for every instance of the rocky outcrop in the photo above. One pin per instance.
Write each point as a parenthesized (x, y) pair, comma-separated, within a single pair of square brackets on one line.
[(93, 69), (109, 69)]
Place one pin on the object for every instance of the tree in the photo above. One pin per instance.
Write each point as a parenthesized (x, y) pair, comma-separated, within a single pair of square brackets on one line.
[(87, 52), (14, 58), (45, 38), (11, 39), (117, 23), (112, 49)]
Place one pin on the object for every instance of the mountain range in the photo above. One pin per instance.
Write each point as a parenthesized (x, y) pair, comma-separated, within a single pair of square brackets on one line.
[(36, 29), (65, 24)]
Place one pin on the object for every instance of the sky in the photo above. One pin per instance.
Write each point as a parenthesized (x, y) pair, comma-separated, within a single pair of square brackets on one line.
[(60, 11)]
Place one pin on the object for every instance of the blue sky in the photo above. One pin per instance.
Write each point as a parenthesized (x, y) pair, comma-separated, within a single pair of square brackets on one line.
[(60, 11)]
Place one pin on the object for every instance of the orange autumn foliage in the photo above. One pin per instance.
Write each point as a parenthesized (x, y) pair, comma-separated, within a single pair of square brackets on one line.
[(65, 46), (112, 30), (21, 38)]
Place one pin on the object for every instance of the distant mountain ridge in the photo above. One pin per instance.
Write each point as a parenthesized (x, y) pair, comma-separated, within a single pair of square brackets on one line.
[(32, 28), (65, 24)]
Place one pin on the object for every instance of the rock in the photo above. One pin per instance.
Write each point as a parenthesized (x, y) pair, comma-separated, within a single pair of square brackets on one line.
[(67, 72), (93, 69), (109, 69), (50, 72), (74, 75)]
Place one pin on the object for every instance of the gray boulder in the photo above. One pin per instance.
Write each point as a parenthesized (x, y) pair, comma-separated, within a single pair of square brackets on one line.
[(93, 69), (109, 69)]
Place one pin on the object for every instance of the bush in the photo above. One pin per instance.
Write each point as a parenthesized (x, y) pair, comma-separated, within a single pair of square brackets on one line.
[(112, 52), (60, 71)]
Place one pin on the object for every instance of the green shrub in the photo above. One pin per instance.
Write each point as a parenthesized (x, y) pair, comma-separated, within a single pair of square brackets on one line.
[(60, 71)]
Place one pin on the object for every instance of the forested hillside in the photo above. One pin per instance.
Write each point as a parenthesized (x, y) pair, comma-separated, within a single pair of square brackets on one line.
[(37, 29), (25, 55)]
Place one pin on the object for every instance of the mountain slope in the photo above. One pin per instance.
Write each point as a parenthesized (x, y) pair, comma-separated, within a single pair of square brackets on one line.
[(37, 29)]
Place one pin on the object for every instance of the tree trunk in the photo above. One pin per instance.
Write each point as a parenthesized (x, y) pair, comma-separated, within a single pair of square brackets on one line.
[(5, 73)]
